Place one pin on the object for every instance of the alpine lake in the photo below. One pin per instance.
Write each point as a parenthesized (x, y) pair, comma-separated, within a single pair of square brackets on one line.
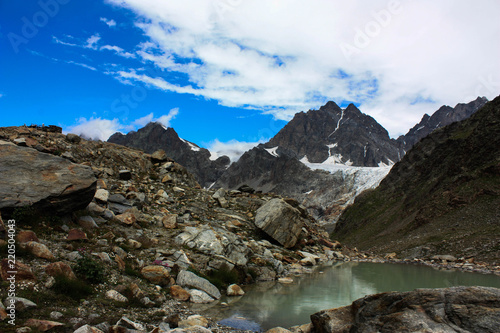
[(270, 304)]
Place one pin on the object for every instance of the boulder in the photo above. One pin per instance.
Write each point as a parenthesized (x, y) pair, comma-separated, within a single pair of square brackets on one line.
[(179, 293), (464, 309), (60, 269), (281, 221), (189, 279), (169, 221), (42, 325), (39, 250), (116, 296), (44, 181), (200, 297), (156, 274), (234, 290), (194, 320), (23, 272)]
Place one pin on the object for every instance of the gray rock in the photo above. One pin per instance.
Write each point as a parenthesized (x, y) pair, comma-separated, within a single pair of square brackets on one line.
[(73, 138), (125, 175), (20, 303), (47, 182), (102, 195), (200, 297), (87, 222), (281, 221), (456, 309), (116, 296), (189, 279)]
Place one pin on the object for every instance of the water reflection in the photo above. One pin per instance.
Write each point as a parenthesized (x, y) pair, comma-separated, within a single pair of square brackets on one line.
[(274, 304)]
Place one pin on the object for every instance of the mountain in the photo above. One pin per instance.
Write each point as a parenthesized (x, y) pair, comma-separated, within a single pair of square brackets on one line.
[(443, 197), (155, 136), (346, 136), (442, 117)]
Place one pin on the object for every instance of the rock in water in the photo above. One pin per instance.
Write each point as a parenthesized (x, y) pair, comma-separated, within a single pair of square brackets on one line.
[(44, 181), (189, 279), (281, 221), (464, 309)]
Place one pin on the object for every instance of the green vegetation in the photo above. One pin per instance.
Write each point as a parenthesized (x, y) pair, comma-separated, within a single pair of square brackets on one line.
[(75, 289), (89, 269)]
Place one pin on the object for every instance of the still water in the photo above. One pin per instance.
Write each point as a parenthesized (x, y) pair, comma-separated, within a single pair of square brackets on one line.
[(271, 304)]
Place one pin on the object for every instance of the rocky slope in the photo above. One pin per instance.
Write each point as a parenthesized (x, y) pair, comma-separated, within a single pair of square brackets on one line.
[(146, 242), (155, 136), (445, 115), (443, 197)]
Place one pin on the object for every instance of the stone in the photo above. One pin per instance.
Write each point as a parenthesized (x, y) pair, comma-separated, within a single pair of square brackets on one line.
[(88, 329), (87, 222), (75, 235), (101, 195), (24, 272), (189, 279), (124, 175), (156, 274), (95, 209), (39, 250), (116, 296), (127, 217), (60, 269), (278, 330), (169, 221), (179, 293), (159, 156), (3, 312), (194, 320), (21, 142), (167, 179), (200, 297), (55, 315), (43, 181), (25, 236), (129, 324), (444, 257), (73, 138), (134, 244), (280, 221), (234, 290), (464, 309), (121, 264), (285, 280), (42, 325), (20, 303)]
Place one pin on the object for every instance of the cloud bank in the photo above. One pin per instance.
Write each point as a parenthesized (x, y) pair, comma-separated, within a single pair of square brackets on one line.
[(396, 59)]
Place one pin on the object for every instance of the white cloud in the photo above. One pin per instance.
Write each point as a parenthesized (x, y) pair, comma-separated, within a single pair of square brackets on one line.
[(144, 120), (233, 148), (167, 118), (285, 56), (95, 128), (92, 42), (111, 23), (118, 50)]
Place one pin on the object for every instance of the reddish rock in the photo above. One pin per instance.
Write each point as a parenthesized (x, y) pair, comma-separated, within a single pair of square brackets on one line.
[(60, 269), (120, 262), (42, 325), (75, 234), (39, 250), (24, 272), (24, 236), (169, 221), (128, 218), (179, 293), (156, 274)]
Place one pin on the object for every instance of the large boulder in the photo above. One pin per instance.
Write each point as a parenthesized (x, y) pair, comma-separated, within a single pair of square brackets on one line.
[(281, 221), (456, 309), (189, 279), (44, 181)]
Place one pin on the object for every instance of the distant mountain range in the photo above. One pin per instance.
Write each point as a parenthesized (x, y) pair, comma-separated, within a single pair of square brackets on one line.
[(352, 147)]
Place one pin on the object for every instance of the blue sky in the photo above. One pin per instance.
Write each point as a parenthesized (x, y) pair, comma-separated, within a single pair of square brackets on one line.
[(230, 73)]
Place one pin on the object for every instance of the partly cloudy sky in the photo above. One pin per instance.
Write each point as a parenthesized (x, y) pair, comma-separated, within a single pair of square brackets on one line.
[(229, 73)]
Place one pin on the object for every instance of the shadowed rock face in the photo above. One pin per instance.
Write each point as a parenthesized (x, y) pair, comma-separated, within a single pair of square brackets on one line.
[(442, 117), (457, 309), (196, 160), (44, 181)]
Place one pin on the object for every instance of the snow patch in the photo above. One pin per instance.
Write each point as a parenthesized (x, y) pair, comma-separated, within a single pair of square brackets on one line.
[(338, 123), (191, 145), (272, 151)]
